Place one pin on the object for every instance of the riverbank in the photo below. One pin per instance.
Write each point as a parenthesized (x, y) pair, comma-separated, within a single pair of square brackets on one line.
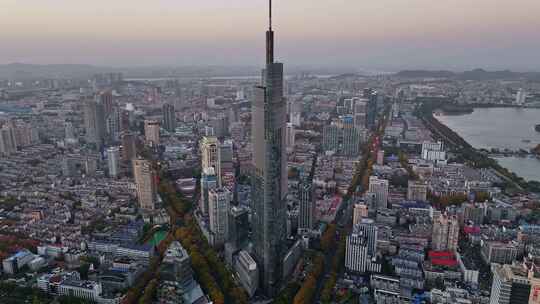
[(467, 153)]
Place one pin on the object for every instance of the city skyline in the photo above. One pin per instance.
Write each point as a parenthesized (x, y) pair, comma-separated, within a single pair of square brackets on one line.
[(364, 35)]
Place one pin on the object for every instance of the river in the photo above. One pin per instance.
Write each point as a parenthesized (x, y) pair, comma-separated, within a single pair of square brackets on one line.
[(501, 128)]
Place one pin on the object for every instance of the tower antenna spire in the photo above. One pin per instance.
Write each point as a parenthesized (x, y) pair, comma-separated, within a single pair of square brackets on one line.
[(270, 14), (270, 37)]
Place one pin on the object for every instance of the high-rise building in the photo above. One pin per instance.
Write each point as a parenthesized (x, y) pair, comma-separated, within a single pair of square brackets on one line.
[(176, 265), (351, 137), (94, 122), (360, 212), (219, 201), (129, 146), (112, 124), (291, 134), (113, 161), (445, 234), (211, 155), (515, 284), (379, 187), (371, 114), (306, 217), (331, 135), (145, 179), (69, 132), (357, 258), (269, 179), (342, 137), (417, 191), (7, 141), (520, 97), (247, 271), (151, 132), (238, 226), (208, 182), (107, 100), (369, 229), (169, 117)]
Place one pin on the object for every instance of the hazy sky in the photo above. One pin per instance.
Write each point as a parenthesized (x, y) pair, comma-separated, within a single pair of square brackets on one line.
[(357, 33)]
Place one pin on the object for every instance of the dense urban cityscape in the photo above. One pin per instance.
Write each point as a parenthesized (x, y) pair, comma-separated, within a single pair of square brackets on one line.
[(279, 188)]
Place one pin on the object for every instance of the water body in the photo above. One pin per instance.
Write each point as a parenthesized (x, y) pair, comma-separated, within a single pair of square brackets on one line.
[(501, 128)]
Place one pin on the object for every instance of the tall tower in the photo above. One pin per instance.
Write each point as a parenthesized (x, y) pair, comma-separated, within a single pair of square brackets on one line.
[(145, 179), (113, 161), (169, 117), (269, 179), (94, 122)]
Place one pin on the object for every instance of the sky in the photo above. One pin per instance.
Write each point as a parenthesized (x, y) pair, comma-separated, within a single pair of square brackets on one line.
[(371, 34)]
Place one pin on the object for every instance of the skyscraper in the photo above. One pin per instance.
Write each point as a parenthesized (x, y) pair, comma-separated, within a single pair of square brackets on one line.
[(269, 179), (218, 204), (306, 218), (94, 122), (145, 179), (106, 98), (7, 141), (129, 146), (151, 132), (169, 117), (113, 161), (211, 156)]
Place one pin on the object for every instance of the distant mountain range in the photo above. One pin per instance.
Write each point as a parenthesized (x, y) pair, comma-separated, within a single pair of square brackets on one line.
[(23, 71), (477, 74)]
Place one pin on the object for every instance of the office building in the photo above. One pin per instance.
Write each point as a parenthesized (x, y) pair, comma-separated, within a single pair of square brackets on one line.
[(145, 180), (306, 217), (107, 100), (7, 141), (247, 271), (445, 233), (515, 284), (269, 178), (112, 125), (331, 137), (379, 188), (129, 146), (113, 161), (417, 191), (176, 265), (219, 201), (169, 117), (360, 211), (151, 132), (291, 135), (208, 182), (371, 110), (368, 228), (357, 259), (238, 226), (94, 122), (211, 156)]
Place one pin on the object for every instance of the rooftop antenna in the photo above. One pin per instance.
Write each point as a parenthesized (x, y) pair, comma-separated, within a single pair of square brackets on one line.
[(270, 38), (270, 14)]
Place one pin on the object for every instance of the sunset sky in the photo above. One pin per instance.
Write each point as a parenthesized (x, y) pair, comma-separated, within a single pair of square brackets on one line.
[(386, 34)]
